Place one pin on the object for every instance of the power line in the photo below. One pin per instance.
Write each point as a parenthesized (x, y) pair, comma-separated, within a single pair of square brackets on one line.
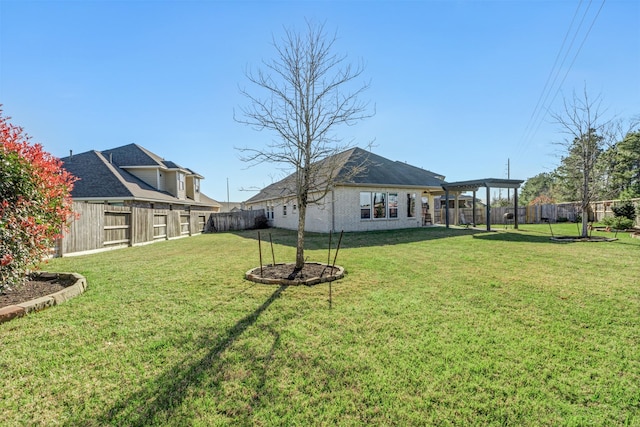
[(541, 109), (539, 118), (551, 72), (578, 52)]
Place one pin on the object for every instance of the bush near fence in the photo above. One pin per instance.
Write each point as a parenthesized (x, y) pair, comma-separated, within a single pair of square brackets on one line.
[(102, 227)]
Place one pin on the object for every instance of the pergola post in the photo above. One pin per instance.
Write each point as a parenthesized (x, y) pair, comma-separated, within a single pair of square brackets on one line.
[(473, 204), (488, 208), (515, 208), (456, 209), (446, 207)]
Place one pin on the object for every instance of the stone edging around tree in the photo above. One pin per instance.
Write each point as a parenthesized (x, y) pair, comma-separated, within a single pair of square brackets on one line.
[(13, 311)]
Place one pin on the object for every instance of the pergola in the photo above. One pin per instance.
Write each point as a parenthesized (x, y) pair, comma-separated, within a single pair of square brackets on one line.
[(474, 185)]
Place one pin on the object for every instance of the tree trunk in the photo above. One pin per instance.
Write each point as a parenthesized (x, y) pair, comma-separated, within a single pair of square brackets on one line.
[(585, 198), (302, 212), (585, 221)]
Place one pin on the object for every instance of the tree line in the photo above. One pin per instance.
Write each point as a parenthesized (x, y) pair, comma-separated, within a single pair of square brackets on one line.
[(615, 172)]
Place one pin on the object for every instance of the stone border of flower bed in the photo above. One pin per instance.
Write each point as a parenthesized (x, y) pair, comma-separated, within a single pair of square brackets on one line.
[(13, 311), (254, 276)]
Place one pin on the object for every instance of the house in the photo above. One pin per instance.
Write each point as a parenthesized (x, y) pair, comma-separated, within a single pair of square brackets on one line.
[(381, 194), (231, 206), (131, 175)]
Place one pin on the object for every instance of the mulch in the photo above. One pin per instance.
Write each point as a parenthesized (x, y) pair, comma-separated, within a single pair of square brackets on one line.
[(33, 289), (288, 271)]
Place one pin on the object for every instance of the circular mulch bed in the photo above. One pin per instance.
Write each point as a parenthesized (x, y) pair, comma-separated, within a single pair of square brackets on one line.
[(286, 274)]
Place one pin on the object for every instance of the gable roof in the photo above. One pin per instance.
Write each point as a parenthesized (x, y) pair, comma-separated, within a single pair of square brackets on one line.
[(374, 170), (133, 155), (98, 178)]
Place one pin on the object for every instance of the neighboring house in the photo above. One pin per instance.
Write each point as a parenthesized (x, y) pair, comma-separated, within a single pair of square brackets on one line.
[(134, 176), (231, 206), (385, 195)]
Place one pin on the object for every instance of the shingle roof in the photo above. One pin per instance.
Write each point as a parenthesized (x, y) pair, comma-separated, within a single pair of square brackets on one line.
[(382, 171), (375, 170), (133, 155), (100, 178)]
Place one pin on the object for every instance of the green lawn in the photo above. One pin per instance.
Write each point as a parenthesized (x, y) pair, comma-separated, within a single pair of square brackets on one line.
[(428, 327)]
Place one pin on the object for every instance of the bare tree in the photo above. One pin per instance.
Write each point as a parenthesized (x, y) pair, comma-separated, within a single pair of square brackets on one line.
[(588, 134), (303, 95)]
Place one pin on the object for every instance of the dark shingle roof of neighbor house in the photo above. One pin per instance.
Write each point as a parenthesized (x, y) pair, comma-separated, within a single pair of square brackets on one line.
[(133, 155), (98, 177), (376, 171)]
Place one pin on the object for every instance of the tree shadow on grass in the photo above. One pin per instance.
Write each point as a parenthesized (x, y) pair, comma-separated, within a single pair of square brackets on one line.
[(515, 236), (360, 239), (163, 397)]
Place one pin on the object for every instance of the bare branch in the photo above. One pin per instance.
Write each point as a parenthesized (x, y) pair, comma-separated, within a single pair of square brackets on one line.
[(302, 98)]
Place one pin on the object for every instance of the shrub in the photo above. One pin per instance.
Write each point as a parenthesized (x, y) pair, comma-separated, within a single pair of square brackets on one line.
[(36, 203), (618, 222), (625, 209), (261, 222)]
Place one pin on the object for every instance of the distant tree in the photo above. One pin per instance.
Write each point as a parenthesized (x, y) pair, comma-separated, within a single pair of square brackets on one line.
[(542, 199), (625, 173), (501, 202), (583, 152), (303, 96), (581, 120), (536, 186), (35, 203)]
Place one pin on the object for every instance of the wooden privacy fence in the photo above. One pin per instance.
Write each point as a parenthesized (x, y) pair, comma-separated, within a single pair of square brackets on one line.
[(535, 214), (572, 212), (100, 227), (234, 221)]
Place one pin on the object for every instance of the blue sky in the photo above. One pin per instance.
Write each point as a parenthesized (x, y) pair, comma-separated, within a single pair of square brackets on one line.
[(457, 85)]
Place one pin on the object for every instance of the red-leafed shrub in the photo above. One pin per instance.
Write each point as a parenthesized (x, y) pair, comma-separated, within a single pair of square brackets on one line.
[(35, 203)]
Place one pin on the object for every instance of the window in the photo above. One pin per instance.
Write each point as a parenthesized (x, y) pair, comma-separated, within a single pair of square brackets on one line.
[(197, 183), (393, 205), (411, 205), (379, 205), (284, 210), (365, 205), (180, 181), (294, 208)]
